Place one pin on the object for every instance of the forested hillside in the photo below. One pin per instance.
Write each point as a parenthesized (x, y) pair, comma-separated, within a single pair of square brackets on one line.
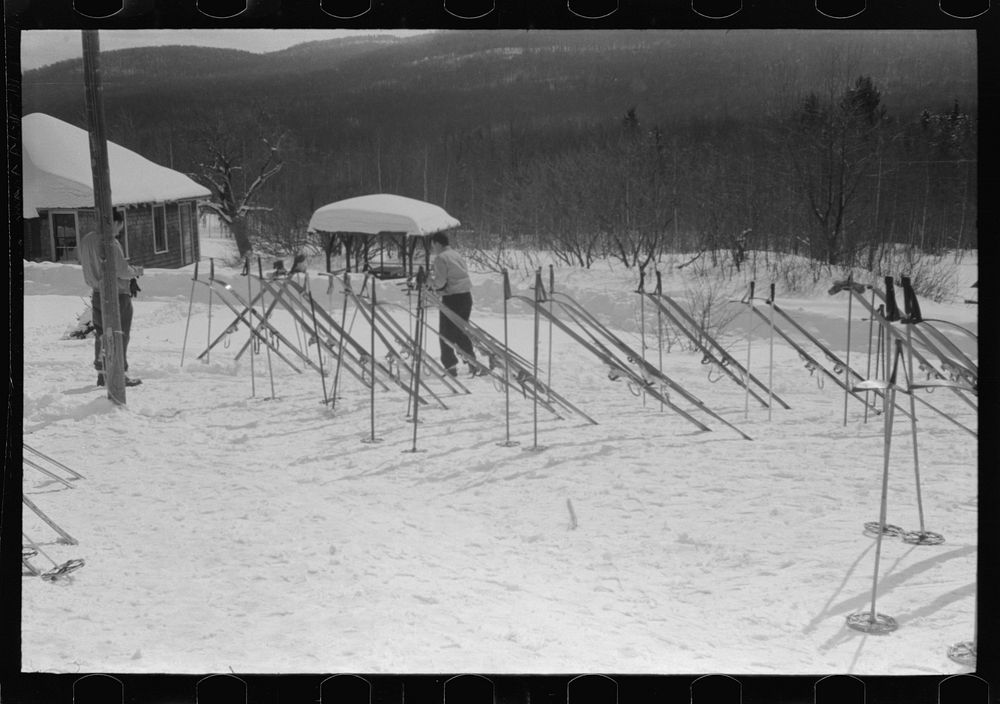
[(620, 143)]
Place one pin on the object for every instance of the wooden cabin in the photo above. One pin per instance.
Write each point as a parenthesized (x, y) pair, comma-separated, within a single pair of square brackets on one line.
[(160, 204)]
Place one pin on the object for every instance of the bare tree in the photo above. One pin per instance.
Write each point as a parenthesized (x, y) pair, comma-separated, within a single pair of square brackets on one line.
[(833, 147), (239, 162)]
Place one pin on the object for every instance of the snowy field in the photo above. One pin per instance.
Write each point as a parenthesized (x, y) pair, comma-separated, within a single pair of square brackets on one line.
[(225, 531)]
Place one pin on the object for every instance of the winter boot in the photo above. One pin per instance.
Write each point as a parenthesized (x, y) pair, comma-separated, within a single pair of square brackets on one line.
[(128, 380)]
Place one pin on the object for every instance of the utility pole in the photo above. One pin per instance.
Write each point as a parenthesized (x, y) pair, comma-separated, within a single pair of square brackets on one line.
[(113, 342)]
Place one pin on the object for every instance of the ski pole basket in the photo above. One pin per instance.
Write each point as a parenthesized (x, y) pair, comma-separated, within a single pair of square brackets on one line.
[(877, 625), (873, 528), (922, 537)]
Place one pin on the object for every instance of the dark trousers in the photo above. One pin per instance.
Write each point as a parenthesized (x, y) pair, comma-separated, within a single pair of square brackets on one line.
[(451, 335), (125, 311)]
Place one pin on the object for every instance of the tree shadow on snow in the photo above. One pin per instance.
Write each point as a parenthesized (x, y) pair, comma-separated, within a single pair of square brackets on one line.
[(888, 581)]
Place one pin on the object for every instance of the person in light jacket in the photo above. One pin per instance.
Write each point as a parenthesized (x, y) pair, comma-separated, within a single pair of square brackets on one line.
[(90, 260), (450, 279)]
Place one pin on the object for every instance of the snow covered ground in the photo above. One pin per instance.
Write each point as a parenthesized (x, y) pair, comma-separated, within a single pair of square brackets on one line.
[(228, 531)]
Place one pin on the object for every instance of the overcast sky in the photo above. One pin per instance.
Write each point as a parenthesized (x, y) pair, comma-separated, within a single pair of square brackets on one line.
[(43, 47)]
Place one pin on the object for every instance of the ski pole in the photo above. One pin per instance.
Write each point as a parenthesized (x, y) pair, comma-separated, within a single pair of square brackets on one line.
[(194, 280), (923, 537), (539, 299), (868, 367), (770, 359), (371, 403), (746, 402), (319, 351), (506, 366), (415, 335), (270, 370), (552, 288), (409, 309), (847, 363), (340, 346), (874, 622), (253, 375), (418, 358), (418, 354), (211, 293), (913, 427), (659, 326), (880, 347), (642, 321), (298, 338)]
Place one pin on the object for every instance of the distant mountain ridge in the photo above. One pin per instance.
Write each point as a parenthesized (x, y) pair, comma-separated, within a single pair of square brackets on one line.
[(561, 134), (706, 68)]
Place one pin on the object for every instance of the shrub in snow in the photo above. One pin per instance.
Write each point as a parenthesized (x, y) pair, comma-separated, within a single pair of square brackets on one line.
[(84, 326)]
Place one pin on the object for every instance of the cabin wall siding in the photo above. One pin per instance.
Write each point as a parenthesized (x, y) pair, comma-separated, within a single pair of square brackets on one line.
[(140, 232)]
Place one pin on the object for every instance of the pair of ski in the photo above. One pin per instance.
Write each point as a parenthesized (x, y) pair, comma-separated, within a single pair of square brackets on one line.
[(330, 335), (41, 459), (289, 294), (262, 331), (713, 352), (955, 364), (30, 549), (407, 346), (960, 366), (506, 368), (886, 315), (621, 360), (811, 362), (402, 348)]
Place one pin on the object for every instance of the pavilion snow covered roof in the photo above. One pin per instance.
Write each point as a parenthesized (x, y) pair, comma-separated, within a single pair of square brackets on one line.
[(382, 212), (55, 156)]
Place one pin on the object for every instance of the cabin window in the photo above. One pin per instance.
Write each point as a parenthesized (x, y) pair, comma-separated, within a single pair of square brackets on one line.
[(64, 236), (159, 229), (187, 245), (173, 224)]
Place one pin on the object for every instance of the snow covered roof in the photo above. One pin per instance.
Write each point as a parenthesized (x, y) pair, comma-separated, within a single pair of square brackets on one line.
[(55, 156), (382, 212)]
